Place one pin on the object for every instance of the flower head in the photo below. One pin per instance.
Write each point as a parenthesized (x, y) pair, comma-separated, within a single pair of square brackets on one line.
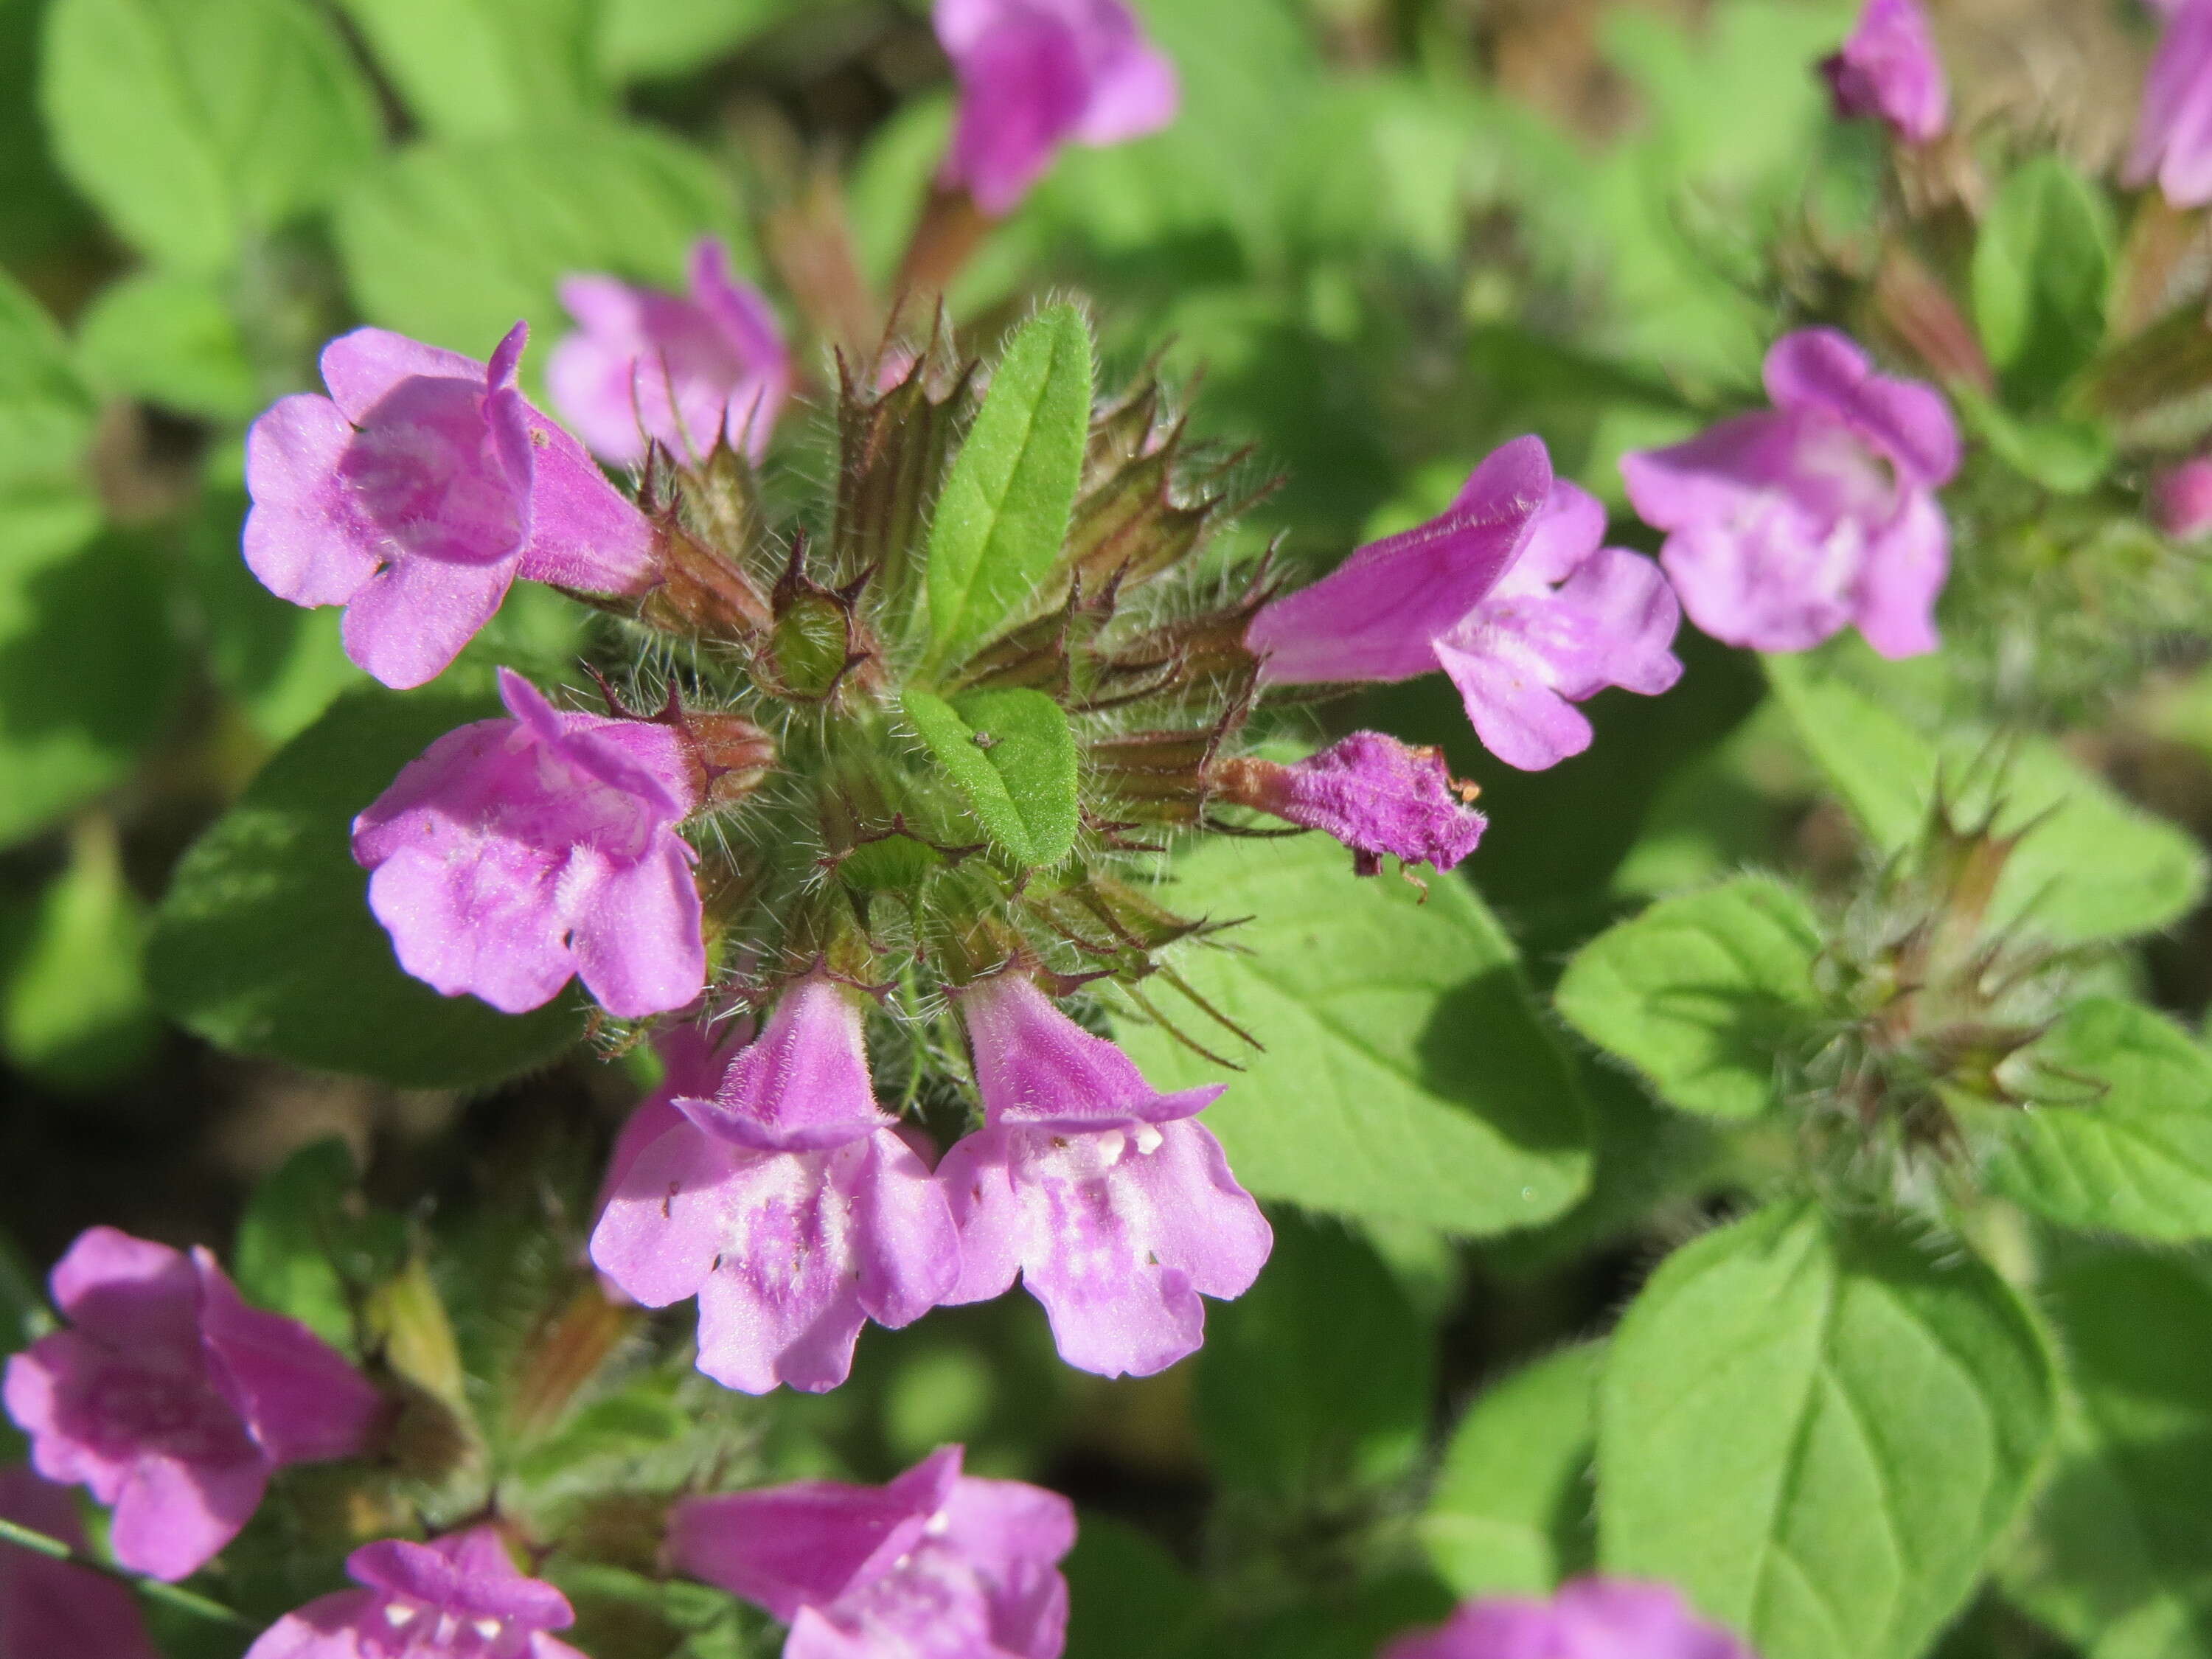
[(1371, 791), (936, 1563), (417, 491), (49, 1607), (456, 1597), (2173, 131), (1786, 526), (1115, 1208), (2181, 499), (1509, 592), (787, 1203), (1036, 74), (515, 853), (1588, 1618), (684, 370), (174, 1400), (1888, 70)]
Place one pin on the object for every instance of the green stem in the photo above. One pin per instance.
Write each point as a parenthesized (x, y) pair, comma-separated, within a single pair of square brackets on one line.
[(182, 1600)]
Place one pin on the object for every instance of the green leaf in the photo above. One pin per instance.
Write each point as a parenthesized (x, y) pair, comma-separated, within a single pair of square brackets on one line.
[(2068, 455), (1003, 513), (308, 1248), (1315, 1382), (451, 242), (1128, 1600), (264, 944), (74, 1012), (640, 38), (169, 339), (1703, 994), (1404, 1071), (2043, 265), (480, 69), (1012, 758), (88, 669), (1510, 1514), (2094, 868), (2115, 1558), (1819, 1430), (195, 125), (45, 424), (2124, 1143), (285, 664)]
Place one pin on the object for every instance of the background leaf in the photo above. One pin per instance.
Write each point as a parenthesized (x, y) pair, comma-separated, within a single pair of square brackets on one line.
[(2115, 1560), (1003, 513), (171, 339), (196, 123), (264, 943), (2123, 1144), (73, 1013), (1819, 1430), (91, 667), (1315, 1382), (451, 242), (1512, 1510), (1403, 1072), (2043, 263), (309, 1248), (477, 69), (1704, 993), (2094, 867)]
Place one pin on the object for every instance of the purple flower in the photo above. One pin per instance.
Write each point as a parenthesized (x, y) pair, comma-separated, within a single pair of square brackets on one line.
[(1888, 70), (49, 1607), (787, 1203), (1116, 1209), (2173, 131), (1588, 1618), (456, 1597), (1509, 592), (935, 1565), (515, 853), (1786, 525), (417, 491), (1036, 74), (1371, 793), (2181, 499), (174, 1400), (645, 364)]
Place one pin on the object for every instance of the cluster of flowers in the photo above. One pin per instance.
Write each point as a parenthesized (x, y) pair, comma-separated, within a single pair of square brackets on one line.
[(174, 1401), (764, 1178)]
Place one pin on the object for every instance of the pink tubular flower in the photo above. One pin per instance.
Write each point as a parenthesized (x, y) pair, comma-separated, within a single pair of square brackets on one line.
[(787, 1203), (515, 853), (456, 1597), (685, 371), (1588, 1618), (174, 1401), (49, 1607), (1888, 70), (417, 491), (2173, 131), (1510, 593), (1371, 791), (1115, 1208), (2181, 499), (1787, 525), (1036, 74), (936, 1563)]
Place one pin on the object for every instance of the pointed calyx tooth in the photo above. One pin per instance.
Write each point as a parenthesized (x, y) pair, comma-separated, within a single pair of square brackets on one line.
[(729, 755), (894, 444), (820, 639), (702, 591)]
